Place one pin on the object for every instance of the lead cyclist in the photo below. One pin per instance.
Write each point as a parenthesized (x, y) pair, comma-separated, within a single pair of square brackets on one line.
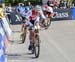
[(31, 19)]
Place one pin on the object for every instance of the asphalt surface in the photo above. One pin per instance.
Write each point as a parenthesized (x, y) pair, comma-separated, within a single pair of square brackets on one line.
[(57, 44)]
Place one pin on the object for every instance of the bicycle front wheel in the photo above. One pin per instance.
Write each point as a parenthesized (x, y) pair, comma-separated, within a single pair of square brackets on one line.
[(24, 36), (37, 47)]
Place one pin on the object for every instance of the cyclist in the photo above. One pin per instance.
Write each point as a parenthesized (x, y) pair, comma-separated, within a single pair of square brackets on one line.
[(34, 19), (48, 10), (25, 16)]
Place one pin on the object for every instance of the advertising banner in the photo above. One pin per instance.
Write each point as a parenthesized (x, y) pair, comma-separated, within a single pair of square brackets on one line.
[(62, 14), (73, 13)]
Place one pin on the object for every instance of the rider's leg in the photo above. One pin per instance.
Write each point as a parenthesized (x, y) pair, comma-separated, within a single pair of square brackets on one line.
[(37, 23), (50, 14), (35, 38), (43, 18), (23, 25)]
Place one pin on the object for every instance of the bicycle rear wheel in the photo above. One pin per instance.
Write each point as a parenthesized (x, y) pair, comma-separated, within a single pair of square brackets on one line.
[(48, 22)]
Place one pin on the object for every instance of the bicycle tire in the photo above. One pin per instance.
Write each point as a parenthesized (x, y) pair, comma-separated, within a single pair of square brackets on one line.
[(48, 22), (23, 38), (37, 48)]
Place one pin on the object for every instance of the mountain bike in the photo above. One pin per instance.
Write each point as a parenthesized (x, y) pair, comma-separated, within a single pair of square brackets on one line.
[(36, 43)]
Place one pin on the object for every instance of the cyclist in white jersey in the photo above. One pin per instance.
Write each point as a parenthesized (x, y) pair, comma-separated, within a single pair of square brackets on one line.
[(48, 10)]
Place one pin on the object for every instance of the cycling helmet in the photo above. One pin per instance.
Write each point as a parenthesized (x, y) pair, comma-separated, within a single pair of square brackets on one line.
[(38, 8), (27, 8)]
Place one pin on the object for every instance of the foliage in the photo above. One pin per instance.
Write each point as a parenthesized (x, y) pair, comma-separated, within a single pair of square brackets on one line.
[(14, 2)]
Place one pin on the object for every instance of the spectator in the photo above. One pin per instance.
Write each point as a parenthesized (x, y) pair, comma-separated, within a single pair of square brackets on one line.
[(61, 4), (4, 32), (67, 4), (55, 3), (73, 3), (30, 5), (8, 11), (49, 2)]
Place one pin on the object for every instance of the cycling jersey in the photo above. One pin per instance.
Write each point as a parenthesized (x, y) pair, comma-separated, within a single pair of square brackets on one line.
[(47, 10), (33, 16)]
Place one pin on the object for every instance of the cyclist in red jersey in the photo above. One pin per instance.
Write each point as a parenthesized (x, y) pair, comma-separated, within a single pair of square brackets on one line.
[(34, 20)]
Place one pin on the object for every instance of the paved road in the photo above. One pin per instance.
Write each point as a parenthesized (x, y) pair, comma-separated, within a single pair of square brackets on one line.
[(57, 44)]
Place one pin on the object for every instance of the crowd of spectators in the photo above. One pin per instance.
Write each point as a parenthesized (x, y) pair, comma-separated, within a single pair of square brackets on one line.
[(73, 3), (61, 3)]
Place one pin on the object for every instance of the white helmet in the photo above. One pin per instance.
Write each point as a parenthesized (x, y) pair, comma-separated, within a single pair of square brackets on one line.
[(38, 8)]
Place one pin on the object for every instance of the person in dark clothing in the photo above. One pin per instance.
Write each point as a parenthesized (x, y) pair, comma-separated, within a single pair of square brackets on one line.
[(73, 2), (62, 4), (49, 2)]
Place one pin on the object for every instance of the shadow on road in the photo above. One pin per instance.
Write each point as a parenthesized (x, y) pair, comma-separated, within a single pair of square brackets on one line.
[(16, 41), (16, 56)]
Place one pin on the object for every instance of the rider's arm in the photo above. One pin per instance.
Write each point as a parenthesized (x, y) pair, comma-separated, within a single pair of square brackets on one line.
[(28, 14), (50, 9), (17, 10)]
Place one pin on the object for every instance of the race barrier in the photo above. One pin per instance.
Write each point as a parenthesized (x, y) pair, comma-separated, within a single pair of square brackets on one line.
[(62, 14)]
